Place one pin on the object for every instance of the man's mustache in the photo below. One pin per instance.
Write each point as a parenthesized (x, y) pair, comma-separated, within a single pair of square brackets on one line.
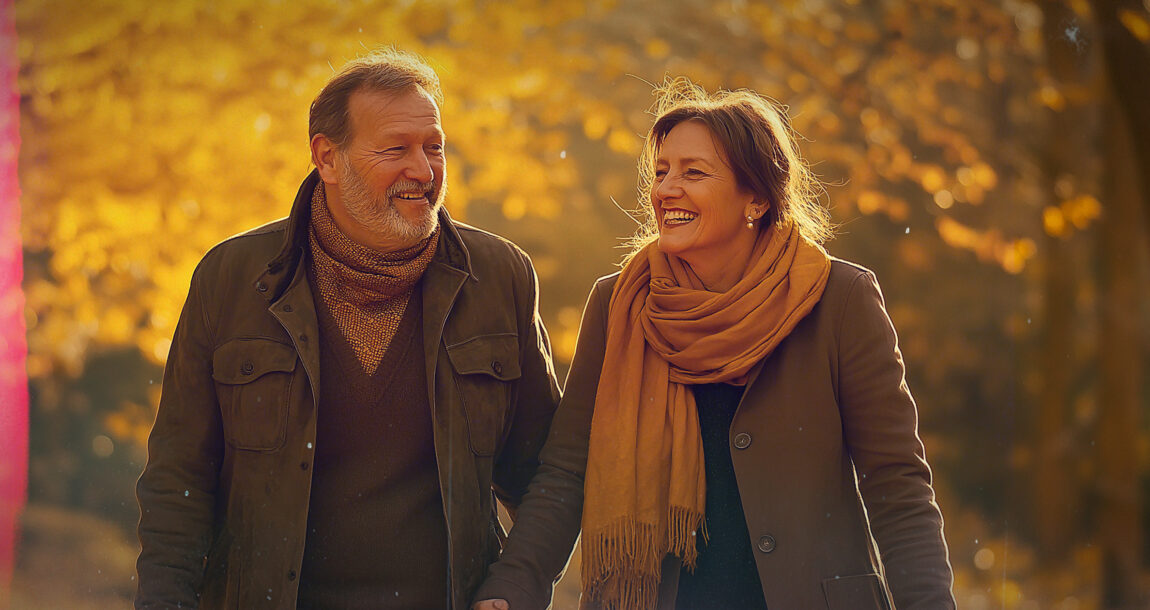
[(407, 186)]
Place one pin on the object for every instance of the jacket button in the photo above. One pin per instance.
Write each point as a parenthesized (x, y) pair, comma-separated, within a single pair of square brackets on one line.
[(742, 440), (287, 308), (291, 574), (247, 367), (767, 543), (497, 366), (303, 465), (262, 287)]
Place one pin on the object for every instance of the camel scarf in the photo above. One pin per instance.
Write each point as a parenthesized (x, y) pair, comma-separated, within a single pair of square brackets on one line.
[(645, 489)]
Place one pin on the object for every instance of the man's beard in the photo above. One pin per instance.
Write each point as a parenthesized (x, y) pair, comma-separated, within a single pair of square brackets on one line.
[(379, 214)]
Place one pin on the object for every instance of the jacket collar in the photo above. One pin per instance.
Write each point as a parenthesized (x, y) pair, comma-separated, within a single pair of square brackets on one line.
[(281, 268)]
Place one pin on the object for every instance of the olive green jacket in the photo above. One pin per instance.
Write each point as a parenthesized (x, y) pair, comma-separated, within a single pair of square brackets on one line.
[(826, 427), (224, 496)]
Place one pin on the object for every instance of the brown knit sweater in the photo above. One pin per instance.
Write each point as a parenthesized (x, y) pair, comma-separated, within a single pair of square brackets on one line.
[(376, 534)]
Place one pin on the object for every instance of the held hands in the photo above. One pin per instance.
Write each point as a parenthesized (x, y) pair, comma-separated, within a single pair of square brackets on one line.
[(491, 604)]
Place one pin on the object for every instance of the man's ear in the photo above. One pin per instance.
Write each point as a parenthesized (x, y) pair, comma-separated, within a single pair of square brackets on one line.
[(323, 155)]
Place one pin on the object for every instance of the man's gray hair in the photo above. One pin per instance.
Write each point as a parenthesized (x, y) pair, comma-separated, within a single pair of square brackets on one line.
[(385, 70)]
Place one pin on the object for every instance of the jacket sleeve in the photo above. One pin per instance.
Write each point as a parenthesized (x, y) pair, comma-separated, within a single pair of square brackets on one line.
[(880, 423), (176, 491), (548, 521), (535, 399)]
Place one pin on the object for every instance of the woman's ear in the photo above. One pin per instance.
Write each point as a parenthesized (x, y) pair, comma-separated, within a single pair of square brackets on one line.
[(757, 210)]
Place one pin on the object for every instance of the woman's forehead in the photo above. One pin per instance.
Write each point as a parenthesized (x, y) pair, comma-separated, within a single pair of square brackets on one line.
[(690, 140)]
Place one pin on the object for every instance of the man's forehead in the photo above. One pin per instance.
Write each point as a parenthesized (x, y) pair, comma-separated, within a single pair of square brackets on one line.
[(414, 100), (382, 111)]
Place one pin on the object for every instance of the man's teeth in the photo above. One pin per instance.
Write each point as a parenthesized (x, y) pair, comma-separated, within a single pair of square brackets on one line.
[(678, 217), (412, 196)]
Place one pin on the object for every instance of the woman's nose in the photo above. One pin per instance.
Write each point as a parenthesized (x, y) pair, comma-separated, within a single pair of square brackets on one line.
[(667, 188)]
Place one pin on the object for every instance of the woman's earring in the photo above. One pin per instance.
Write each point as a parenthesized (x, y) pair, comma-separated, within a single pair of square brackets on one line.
[(750, 222)]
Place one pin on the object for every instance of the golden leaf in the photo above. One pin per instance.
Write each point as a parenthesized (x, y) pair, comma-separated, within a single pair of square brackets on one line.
[(1136, 23), (932, 179), (1052, 98), (657, 48), (1054, 222), (1082, 210)]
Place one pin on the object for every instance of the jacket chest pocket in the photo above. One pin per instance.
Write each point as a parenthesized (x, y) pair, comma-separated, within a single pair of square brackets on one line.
[(253, 385), (485, 368)]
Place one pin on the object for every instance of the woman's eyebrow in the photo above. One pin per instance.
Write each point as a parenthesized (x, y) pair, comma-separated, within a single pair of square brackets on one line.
[(686, 160)]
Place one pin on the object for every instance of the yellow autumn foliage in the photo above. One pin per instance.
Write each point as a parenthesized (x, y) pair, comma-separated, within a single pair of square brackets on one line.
[(154, 130)]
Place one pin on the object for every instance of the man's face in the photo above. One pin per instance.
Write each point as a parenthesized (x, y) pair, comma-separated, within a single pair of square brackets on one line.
[(392, 170)]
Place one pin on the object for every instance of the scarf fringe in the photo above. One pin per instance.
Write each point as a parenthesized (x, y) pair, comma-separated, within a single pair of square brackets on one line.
[(622, 562)]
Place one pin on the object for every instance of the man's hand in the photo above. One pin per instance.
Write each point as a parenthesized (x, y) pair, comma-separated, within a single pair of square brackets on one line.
[(491, 604)]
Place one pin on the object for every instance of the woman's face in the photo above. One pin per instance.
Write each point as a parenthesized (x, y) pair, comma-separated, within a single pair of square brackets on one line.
[(700, 207)]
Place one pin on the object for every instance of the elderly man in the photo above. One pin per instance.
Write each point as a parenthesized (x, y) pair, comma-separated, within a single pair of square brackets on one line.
[(348, 386)]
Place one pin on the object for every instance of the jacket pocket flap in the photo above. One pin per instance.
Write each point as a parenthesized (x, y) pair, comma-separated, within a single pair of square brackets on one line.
[(863, 591), (244, 360), (493, 355)]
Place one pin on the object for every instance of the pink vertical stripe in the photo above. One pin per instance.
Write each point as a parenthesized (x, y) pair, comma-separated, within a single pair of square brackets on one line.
[(13, 345)]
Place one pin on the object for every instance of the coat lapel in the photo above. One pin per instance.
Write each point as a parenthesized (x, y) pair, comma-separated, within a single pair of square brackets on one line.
[(441, 284)]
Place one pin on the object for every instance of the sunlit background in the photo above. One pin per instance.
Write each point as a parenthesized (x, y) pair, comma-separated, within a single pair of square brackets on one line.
[(988, 159)]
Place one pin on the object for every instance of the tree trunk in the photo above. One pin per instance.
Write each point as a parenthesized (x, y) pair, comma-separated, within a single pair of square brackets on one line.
[(1054, 501), (1128, 67), (1121, 250), (1121, 246)]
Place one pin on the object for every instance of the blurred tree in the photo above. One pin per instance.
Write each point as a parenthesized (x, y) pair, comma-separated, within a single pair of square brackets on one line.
[(13, 348), (1070, 64), (1125, 40), (943, 128), (1125, 36)]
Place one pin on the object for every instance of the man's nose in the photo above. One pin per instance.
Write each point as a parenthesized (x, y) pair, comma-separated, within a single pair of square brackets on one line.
[(419, 168)]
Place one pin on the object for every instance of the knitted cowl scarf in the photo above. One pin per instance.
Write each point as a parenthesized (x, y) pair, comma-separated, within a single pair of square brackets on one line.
[(645, 489), (366, 291)]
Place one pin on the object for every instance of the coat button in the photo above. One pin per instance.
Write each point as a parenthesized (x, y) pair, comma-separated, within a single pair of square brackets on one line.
[(287, 308), (262, 287), (767, 543), (247, 367), (303, 465), (291, 574), (742, 440), (497, 366)]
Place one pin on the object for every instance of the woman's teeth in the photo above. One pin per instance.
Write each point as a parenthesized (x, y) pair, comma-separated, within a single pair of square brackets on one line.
[(678, 217)]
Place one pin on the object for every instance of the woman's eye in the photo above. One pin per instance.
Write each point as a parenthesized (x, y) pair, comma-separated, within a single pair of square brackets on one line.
[(660, 173), (694, 173)]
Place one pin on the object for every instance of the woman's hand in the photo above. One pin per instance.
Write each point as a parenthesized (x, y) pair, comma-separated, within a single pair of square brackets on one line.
[(491, 604)]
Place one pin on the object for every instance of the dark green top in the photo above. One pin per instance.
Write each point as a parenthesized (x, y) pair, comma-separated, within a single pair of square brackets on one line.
[(726, 576)]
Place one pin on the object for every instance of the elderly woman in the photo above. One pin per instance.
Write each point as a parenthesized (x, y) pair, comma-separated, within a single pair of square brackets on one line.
[(736, 430)]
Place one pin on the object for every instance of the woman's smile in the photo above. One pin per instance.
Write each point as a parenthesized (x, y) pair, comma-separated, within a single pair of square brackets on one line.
[(675, 218)]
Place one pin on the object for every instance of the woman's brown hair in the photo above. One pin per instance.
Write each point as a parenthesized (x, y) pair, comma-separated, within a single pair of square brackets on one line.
[(759, 144)]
